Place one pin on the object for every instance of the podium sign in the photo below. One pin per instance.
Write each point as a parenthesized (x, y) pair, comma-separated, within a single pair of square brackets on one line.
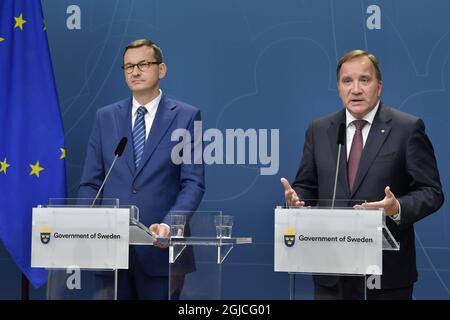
[(329, 241), (88, 238)]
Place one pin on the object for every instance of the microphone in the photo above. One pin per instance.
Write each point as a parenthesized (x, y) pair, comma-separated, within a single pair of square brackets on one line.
[(341, 134), (340, 142), (121, 146), (119, 150)]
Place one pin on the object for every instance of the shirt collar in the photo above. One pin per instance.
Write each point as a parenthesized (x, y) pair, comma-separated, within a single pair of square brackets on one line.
[(368, 117), (151, 107)]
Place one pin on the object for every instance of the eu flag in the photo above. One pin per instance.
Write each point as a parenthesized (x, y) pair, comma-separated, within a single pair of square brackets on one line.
[(32, 153)]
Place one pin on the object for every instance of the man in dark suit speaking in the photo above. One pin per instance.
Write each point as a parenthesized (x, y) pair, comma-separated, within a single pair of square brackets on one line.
[(389, 161), (145, 176)]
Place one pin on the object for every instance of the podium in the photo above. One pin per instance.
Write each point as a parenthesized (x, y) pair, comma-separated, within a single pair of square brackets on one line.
[(82, 243), (203, 281), (332, 242)]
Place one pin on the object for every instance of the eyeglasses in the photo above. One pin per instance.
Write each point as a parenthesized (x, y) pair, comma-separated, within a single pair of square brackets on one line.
[(143, 66)]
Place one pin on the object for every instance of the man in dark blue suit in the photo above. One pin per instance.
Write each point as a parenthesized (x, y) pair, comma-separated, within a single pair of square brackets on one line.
[(389, 161), (145, 176)]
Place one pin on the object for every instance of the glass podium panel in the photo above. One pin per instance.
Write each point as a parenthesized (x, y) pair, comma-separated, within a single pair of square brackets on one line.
[(83, 202), (196, 259), (80, 284), (82, 243), (339, 249), (197, 249), (327, 287)]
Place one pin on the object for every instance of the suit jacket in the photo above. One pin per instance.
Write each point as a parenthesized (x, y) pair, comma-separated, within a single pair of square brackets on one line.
[(157, 186), (398, 154)]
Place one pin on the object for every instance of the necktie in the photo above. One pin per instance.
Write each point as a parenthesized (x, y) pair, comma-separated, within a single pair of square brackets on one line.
[(139, 135), (355, 152)]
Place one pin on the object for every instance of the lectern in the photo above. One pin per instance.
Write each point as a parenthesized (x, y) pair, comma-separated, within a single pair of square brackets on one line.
[(331, 241), (81, 242)]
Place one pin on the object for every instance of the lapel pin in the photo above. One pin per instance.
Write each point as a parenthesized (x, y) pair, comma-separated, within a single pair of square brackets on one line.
[(382, 130)]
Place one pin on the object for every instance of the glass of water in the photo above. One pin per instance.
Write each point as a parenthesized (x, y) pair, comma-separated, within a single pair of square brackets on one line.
[(224, 225)]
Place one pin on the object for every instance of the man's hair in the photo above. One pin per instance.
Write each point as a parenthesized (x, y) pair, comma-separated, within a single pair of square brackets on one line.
[(356, 54), (145, 42)]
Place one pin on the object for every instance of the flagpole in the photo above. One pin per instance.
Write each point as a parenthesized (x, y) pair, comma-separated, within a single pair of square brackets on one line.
[(25, 287)]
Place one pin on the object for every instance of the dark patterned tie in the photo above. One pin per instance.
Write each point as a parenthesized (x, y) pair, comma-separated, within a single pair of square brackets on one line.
[(355, 152), (139, 135)]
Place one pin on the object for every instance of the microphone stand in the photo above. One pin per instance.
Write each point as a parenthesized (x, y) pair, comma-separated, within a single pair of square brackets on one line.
[(118, 153), (104, 181), (340, 142), (336, 175)]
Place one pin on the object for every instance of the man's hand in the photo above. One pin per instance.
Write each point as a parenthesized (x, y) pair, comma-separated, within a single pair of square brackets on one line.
[(162, 231), (290, 196), (389, 203)]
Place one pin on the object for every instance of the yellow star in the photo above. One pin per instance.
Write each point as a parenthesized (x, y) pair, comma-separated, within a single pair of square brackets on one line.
[(63, 153), (3, 166), (19, 22), (36, 169), (2, 39)]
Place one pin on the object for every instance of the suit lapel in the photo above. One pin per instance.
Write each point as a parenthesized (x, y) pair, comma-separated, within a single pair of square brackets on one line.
[(163, 118), (379, 131), (333, 132), (123, 121)]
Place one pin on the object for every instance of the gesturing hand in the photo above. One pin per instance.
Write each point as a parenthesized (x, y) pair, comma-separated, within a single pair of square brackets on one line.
[(389, 203), (290, 196)]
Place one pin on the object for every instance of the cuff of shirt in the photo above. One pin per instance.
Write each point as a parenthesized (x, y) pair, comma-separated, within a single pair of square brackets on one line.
[(163, 224), (396, 217)]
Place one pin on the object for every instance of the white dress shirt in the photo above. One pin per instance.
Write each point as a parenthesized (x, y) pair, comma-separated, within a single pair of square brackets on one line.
[(351, 129), (151, 107)]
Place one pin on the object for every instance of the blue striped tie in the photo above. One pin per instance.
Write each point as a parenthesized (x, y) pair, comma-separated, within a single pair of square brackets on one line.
[(139, 135)]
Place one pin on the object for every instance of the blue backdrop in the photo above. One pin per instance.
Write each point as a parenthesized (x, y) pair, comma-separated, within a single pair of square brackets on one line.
[(264, 65)]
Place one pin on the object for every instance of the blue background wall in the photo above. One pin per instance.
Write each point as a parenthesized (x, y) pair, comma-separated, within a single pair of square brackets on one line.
[(257, 64)]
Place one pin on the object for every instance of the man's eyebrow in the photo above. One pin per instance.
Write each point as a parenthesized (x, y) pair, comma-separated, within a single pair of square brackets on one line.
[(128, 63)]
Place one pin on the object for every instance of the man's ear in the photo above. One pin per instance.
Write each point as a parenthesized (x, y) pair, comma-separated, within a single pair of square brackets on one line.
[(380, 86), (162, 70)]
